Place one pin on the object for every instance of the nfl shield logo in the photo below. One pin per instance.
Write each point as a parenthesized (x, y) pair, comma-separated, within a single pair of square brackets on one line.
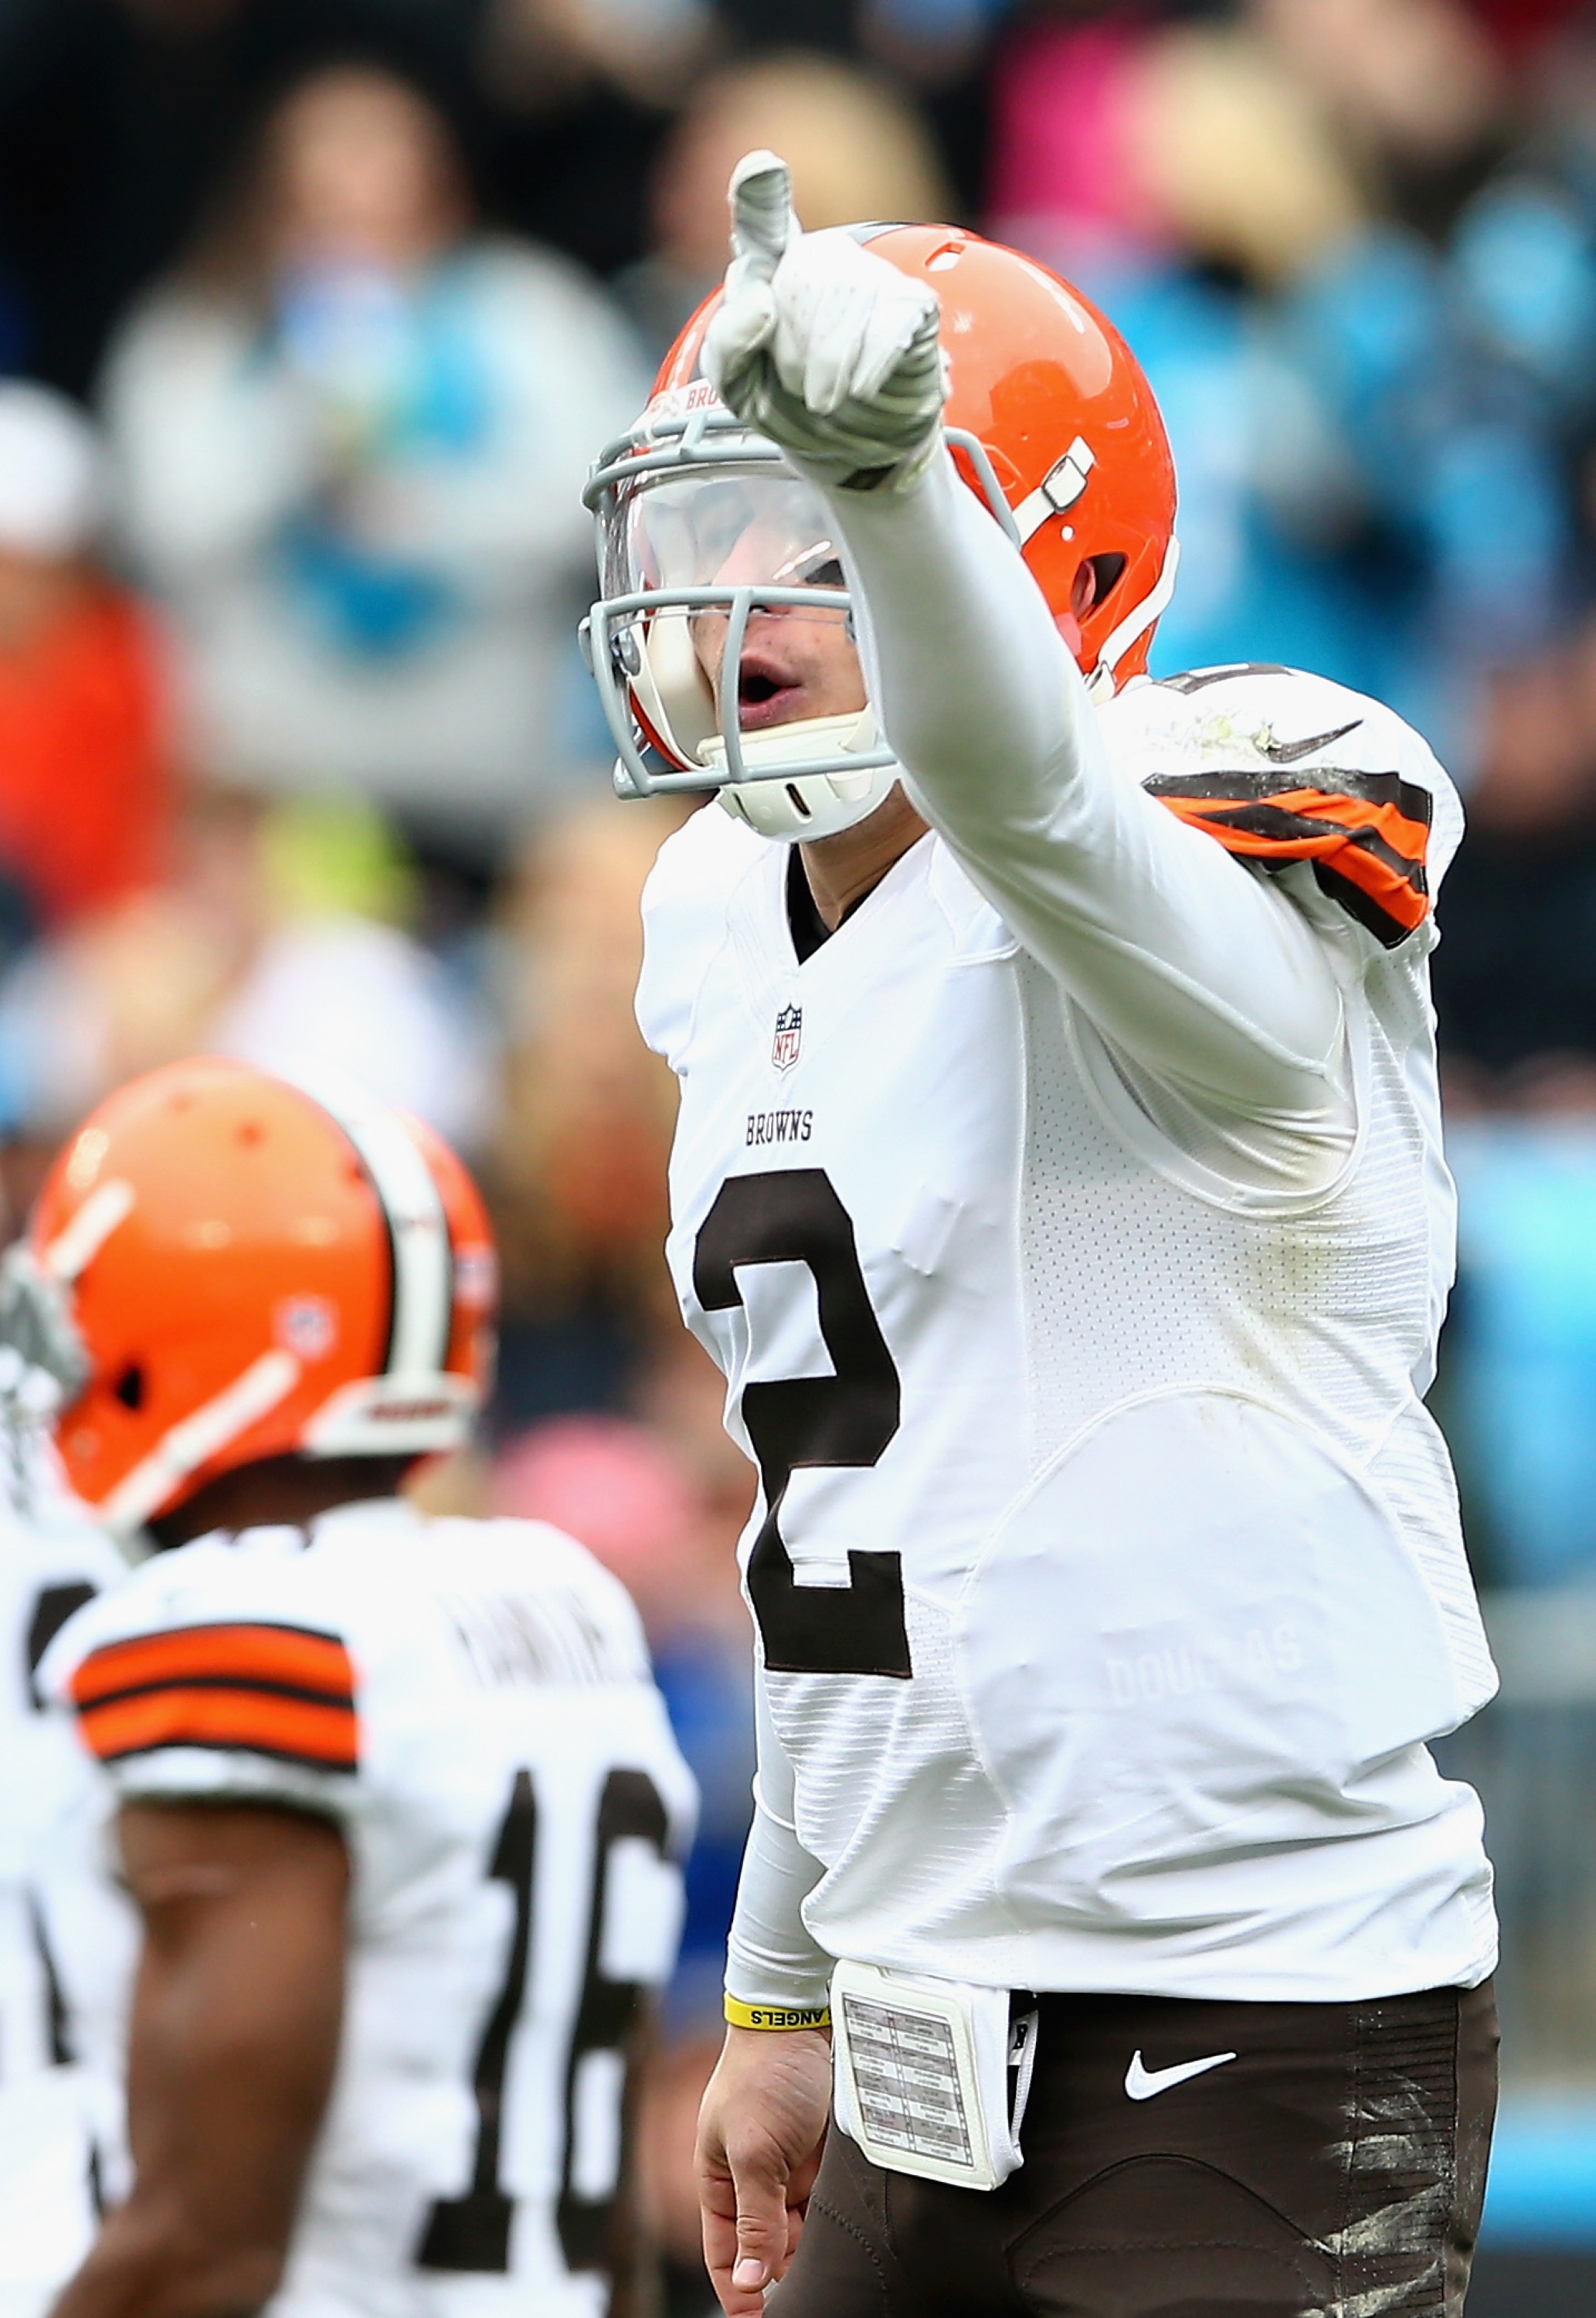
[(789, 1029)]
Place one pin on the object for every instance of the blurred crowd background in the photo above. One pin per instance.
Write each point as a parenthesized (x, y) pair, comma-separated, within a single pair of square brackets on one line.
[(313, 314)]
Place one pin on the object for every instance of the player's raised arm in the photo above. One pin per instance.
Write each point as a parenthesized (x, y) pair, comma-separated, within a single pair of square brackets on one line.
[(1180, 955)]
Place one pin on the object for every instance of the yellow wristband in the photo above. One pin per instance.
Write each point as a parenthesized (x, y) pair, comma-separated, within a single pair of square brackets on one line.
[(776, 2016)]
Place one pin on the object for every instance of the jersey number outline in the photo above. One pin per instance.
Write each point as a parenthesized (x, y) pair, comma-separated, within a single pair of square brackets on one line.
[(52, 1606), (471, 2233), (785, 1216)]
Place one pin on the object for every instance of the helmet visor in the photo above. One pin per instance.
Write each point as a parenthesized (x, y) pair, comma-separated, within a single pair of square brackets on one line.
[(725, 608), (728, 527)]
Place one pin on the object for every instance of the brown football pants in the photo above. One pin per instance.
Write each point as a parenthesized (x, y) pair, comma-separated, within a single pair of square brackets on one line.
[(1334, 2169)]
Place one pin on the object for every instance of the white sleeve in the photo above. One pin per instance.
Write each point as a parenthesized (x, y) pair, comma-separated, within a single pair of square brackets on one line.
[(211, 1675), (771, 1958), (1182, 959)]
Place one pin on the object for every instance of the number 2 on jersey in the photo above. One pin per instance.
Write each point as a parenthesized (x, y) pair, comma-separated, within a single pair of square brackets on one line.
[(793, 1215)]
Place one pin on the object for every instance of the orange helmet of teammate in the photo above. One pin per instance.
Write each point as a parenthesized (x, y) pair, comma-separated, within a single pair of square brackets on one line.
[(253, 1271), (1049, 421)]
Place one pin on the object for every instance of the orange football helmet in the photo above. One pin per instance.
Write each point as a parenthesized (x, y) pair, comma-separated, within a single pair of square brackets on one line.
[(254, 1272), (1049, 421)]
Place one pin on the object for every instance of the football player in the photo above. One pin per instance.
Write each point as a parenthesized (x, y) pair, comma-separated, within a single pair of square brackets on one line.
[(399, 1805), (1058, 1183), (65, 1938)]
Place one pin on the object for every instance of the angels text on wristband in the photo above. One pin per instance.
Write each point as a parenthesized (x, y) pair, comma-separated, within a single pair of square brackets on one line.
[(776, 2016)]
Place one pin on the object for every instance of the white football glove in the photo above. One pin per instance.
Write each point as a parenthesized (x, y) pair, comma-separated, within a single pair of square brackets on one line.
[(822, 346)]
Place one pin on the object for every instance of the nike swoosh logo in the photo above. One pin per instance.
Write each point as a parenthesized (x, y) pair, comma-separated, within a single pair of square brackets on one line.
[(1142, 2084), (1292, 752)]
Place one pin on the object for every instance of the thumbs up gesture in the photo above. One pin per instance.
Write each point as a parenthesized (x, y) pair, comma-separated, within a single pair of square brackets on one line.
[(823, 346)]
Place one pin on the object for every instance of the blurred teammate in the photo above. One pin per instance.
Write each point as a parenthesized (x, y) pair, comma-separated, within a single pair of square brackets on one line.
[(399, 1805), (65, 1937), (1058, 1183)]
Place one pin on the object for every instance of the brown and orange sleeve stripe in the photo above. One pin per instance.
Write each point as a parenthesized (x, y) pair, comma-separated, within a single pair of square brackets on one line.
[(1366, 834), (263, 1689)]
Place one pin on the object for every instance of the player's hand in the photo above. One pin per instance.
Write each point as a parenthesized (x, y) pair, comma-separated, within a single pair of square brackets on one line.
[(760, 2133), (823, 346)]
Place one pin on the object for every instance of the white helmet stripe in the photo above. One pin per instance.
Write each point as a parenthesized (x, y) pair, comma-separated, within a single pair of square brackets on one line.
[(77, 1243), (413, 1210), (423, 1260), (188, 1445)]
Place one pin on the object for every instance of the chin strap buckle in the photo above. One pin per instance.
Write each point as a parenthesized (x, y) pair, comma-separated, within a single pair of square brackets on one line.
[(1059, 489)]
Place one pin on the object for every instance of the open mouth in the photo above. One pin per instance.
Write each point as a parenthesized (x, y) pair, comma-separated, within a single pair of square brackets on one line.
[(767, 694)]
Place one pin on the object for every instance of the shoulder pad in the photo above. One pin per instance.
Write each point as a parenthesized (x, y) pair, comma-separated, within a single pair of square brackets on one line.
[(210, 1650), (1280, 766), (684, 906)]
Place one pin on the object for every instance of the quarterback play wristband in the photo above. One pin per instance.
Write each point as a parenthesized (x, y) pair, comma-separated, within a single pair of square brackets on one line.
[(776, 2016)]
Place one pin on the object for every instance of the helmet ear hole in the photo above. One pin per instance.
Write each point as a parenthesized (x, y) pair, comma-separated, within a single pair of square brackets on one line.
[(1107, 573), (129, 1387)]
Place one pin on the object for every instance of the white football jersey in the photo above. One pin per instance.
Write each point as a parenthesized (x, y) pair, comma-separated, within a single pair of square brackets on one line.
[(66, 1934), (1106, 1566), (472, 1702)]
